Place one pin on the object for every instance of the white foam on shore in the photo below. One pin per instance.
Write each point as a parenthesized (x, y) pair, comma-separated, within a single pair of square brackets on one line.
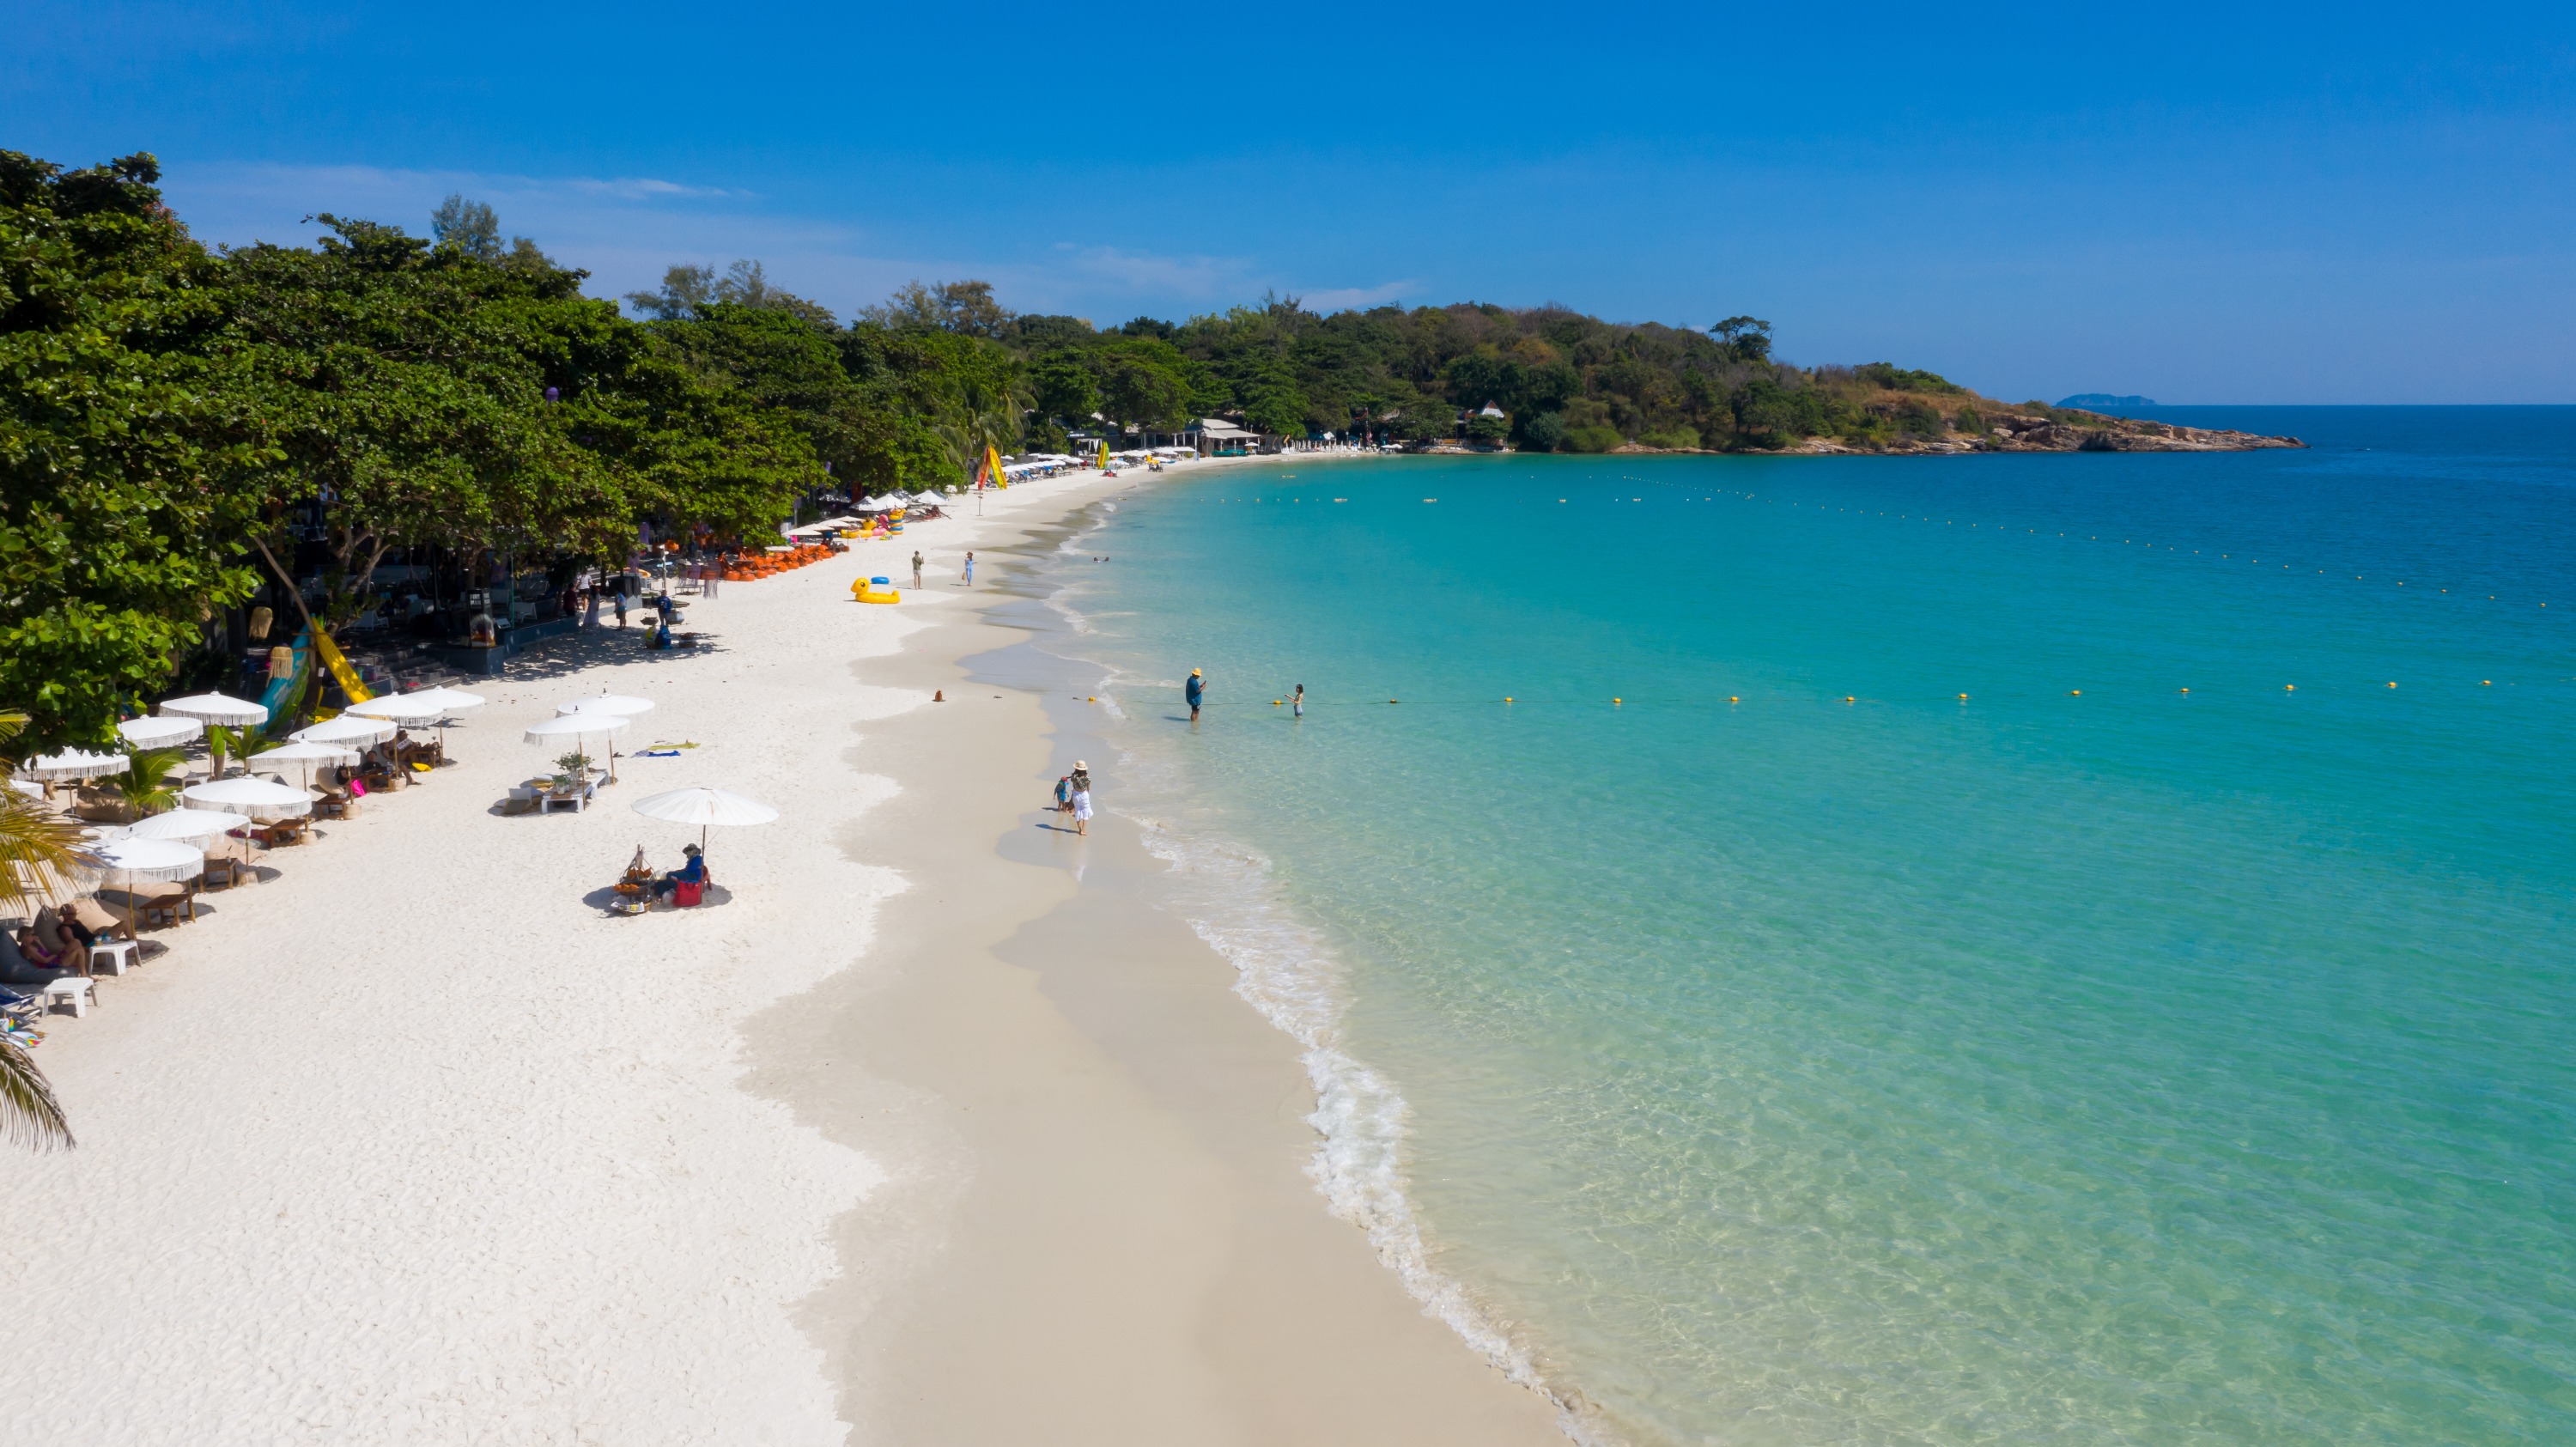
[(1286, 970)]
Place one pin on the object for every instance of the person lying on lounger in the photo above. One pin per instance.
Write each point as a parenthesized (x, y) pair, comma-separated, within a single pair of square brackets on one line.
[(693, 872), (41, 957)]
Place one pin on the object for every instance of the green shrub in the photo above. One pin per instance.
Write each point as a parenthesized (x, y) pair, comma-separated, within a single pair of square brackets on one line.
[(1543, 433), (1679, 435), (1596, 438), (1918, 417)]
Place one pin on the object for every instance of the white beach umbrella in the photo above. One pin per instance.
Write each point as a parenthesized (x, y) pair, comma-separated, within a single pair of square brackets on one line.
[(305, 756), (161, 732), (130, 862), (578, 725), (355, 733), (258, 798), (622, 705), (153, 861), (72, 764), (703, 807), (220, 709), (409, 708), (188, 825), (454, 700)]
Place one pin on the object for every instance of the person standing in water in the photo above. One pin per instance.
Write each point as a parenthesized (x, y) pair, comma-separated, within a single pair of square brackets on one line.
[(1196, 692), (1297, 702), (970, 570), (1081, 798), (916, 569)]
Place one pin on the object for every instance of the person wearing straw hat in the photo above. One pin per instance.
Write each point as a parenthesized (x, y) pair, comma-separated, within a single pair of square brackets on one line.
[(693, 872), (1196, 692), (1081, 798)]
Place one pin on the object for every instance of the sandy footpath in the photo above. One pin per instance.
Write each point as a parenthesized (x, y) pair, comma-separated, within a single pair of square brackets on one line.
[(411, 1143)]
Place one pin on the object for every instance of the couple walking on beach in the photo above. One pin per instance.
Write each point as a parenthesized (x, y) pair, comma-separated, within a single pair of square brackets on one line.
[(1073, 796)]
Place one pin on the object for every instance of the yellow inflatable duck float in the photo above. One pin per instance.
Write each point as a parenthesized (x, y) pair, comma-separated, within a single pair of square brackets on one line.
[(874, 590)]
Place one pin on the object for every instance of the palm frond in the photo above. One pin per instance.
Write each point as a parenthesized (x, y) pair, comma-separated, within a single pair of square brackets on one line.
[(145, 784), (29, 1114), (40, 854)]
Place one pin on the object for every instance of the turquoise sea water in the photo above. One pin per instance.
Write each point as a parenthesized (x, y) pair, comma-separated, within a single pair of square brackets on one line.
[(1796, 1052)]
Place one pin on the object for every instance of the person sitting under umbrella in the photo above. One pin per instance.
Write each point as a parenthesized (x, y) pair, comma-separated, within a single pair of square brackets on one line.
[(693, 872)]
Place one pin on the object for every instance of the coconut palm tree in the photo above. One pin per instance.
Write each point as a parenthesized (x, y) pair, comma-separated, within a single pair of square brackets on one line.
[(977, 416), (145, 784), (37, 849)]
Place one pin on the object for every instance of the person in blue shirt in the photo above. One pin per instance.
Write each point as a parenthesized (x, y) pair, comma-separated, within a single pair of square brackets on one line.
[(693, 872), (1196, 692)]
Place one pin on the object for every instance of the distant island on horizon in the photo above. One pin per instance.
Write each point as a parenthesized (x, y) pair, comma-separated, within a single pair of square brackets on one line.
[(2105, 399)]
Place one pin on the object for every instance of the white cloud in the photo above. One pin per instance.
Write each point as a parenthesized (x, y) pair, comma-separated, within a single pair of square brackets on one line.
[(1334, 299), (626, 231)]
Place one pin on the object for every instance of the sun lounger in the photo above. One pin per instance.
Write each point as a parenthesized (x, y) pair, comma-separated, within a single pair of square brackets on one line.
[(169, 907)]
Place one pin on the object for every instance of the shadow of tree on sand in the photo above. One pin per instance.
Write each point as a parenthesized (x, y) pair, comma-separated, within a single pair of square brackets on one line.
[(566, 654)]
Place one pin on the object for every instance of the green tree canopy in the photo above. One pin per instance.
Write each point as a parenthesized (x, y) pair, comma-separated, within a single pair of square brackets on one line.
[(129, 464)]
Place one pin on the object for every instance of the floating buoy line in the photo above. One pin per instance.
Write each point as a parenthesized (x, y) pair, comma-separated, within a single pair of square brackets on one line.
[(1999, 529)]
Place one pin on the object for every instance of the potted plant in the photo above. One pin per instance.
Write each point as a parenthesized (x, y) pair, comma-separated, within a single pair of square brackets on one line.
[(572, 771)]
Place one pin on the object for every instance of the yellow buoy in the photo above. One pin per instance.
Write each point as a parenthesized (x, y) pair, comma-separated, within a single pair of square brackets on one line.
[(2186, 690), (1847, 698), (2074, 693), (1731, 698), (1963, 698), (1614, 700), (2392, 683), (1507, 698), (2289, 688), (2486, 683), (1274, 703)]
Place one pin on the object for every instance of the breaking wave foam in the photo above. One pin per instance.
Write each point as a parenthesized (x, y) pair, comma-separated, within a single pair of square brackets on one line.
[(1289, 973)]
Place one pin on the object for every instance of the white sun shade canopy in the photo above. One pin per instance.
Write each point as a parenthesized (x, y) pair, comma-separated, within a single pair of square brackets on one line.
[(188, 824), (575, 725), (623, 705), (72, 764), (400, 707), (221, 709), (305, 752), (139, 861), (258, 798), (703, 807), (354, 733), (164, 731), (451, 699)]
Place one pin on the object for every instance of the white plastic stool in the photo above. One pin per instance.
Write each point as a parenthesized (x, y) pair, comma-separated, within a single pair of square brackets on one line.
[(74, 990), (114, 956)]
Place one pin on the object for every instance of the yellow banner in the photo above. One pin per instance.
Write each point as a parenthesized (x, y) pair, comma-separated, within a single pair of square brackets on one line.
[(340, 669), (993, 460)]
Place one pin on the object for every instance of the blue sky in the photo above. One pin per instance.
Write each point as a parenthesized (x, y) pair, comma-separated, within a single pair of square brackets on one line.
[(2362, 203)]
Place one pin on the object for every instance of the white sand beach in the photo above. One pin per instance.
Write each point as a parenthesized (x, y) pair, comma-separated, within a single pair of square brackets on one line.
[(413, 1142)]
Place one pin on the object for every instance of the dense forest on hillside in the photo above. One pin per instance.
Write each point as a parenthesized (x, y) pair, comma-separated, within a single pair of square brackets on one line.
[(185, 425)]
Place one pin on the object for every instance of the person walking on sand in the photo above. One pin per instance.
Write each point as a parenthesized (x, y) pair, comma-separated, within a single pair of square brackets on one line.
[(590, 613), (916, 570), (621, 603), (969, 579), (1297, 702), (1081, 798)]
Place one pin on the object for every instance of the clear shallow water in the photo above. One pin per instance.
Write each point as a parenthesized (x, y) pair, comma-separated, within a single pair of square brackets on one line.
[(2129, 1065)]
